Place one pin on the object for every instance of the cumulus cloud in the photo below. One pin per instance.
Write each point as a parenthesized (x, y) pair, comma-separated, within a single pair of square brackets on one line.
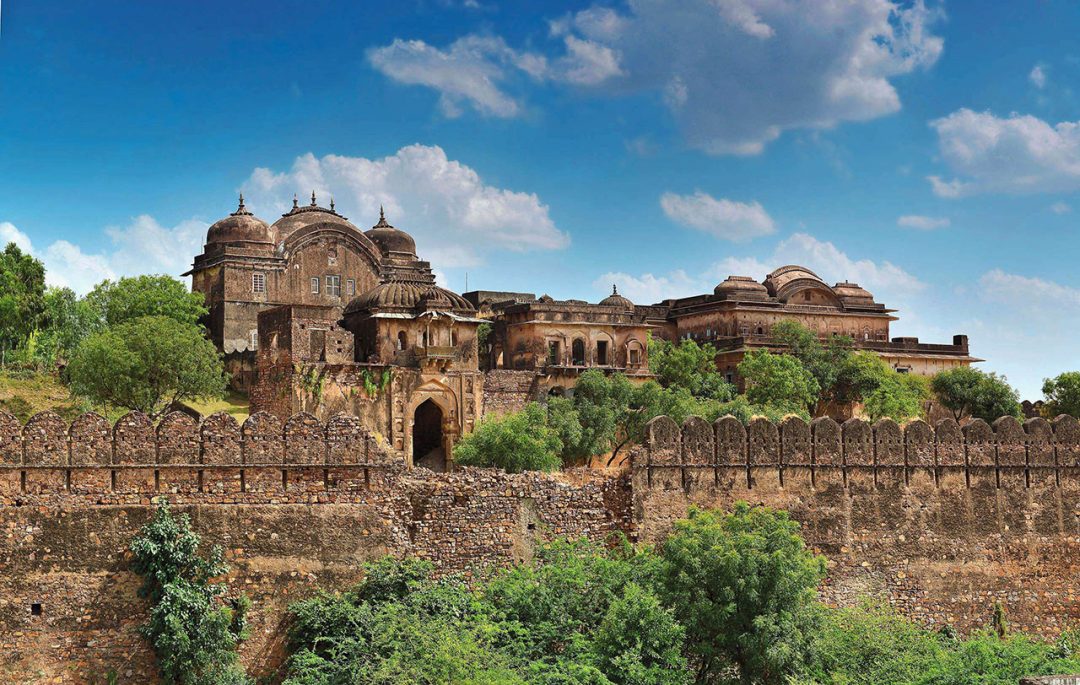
[(726, 219), (143, 246), (735, 74), (922, 223), (443, 203), (1038, 76), (886, 280), (1014, 154)]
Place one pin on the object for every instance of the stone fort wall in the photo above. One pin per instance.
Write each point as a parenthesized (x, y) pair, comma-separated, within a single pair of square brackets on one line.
[(939, 520)]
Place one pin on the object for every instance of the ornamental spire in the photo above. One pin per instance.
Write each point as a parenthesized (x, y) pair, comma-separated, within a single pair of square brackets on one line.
[(614, 289), (295, 204), (241, 210), (331, 203), (312, 198)]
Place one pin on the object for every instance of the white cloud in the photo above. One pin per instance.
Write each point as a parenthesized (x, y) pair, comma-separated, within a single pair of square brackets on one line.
[(443, 203), (10, 234), (887, 281), (727, 219), (922, 223), (143, 246), (1060, 208), (1025, 291), (1038, 76), (1017, 154), (734, 73)]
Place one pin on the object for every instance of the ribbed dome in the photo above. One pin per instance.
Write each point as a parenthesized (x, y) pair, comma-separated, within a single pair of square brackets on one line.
[(617, 300), (740, 285), (298, 217), (408, 295), (775, 281), (240, 227), (390, 239)]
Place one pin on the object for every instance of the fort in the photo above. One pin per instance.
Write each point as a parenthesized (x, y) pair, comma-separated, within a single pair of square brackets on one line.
[(940, 520)]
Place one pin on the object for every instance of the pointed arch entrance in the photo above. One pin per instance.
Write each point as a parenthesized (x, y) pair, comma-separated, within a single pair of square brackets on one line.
[(427, 437)]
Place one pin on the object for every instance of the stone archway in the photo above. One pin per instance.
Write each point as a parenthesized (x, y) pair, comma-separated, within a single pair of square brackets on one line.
[(428, 449)]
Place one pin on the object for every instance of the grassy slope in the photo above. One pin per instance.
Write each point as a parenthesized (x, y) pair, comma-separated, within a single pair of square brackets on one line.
[(24, 395)]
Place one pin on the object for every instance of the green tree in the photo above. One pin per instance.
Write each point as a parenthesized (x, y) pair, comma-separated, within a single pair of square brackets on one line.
[(639, 642), (515, 442), (132, 297), (147, 364), (193, 628), (66, 321), (687, 365), (970, 392), (895, 399), (22, 297), (825, 361), (778, 380), (1062, 394), (744, 586)]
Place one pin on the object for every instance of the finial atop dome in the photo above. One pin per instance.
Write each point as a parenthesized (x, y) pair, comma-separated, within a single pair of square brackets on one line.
[(295, 204), (241, 210), (312, 198), (382, 220), (331, 203), (382, 217), (614, 289)]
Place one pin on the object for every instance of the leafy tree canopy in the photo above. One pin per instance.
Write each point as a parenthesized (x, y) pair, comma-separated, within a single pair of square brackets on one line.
[(688, 366), (147, 364), (778, 380), (970, 392), (825, 361), (22, 296), (744, 585), (515, 442), (131, 297), (1062, 394)]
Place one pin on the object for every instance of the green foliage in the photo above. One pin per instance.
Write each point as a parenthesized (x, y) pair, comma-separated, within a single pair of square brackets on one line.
[(778, 380), (483, 336), (132, 297), (970, 392), (690, 366), (516, 442), (22, 296), (639, 642), (871, 644), (66, 321), (146, 364), (744, 586), (602, 406), (825, 362), (373, 384), (193, 629), (1062, 394)]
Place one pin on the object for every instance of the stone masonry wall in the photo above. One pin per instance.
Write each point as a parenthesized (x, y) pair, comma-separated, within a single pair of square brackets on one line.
[(939, 520), (942, 521), (296, 505)]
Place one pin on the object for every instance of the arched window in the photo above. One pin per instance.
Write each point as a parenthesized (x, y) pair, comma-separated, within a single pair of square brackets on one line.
[(402, 341), (577, 352)]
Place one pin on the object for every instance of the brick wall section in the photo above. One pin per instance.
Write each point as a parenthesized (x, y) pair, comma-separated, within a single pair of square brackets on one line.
[(941, 521), (506, 391)]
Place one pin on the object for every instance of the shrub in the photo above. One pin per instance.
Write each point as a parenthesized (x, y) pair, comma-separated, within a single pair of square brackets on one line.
[(521, 441)]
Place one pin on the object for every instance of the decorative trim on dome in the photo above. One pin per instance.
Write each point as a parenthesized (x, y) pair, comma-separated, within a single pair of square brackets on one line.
[(241, 210)]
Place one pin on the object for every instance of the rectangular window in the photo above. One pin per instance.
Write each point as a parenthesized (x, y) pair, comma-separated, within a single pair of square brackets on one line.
[(601, 352), (315, 286), (350, 287), (333, 286), (553, 353), (258, 283), (635, 357), (254, 340)]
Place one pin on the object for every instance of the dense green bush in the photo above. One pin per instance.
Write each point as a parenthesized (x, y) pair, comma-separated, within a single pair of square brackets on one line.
[(193, 628), (515, 442)]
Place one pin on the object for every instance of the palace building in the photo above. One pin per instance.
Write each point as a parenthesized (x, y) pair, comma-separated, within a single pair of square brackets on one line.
[(314, 314)]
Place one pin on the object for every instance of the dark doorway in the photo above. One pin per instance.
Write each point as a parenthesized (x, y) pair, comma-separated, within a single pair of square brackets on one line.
[(427, 437), (601, 353), (577, 352)]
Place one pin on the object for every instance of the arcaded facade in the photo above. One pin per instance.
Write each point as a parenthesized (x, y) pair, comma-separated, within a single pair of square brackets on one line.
[(315, 315)]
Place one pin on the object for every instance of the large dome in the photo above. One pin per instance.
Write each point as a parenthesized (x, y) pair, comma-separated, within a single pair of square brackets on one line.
[(240, 227), (408, 295), (852, 291), (298, 217), (390, 239), (785, 275)]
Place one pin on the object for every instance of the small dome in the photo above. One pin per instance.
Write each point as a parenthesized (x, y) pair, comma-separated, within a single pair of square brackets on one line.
[(240, 227), (545, 298), (617, 300), (390, 239), (298, 217), (408, 295), (740, 286), (852, 291)]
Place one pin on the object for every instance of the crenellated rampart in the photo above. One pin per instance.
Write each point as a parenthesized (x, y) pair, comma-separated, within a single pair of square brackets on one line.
[(941, 520)]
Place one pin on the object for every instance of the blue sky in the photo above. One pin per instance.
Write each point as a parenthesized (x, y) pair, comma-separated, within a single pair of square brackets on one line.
[(930, 152)]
